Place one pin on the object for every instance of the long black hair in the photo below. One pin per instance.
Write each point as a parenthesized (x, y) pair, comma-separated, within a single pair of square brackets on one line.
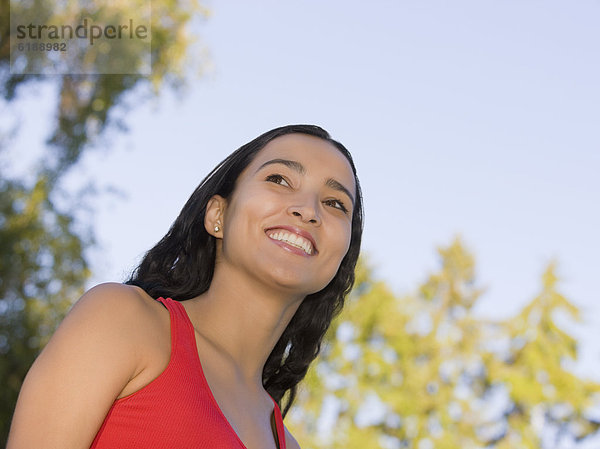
[(181, 266)]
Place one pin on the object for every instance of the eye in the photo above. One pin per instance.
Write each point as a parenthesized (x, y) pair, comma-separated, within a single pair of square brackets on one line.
[(336, 204), (277, 179)]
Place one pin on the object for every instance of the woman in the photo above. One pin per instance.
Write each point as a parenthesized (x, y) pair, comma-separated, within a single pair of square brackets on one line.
[(258, 262)]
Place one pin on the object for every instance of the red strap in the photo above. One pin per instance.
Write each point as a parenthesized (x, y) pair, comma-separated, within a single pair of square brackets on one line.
[(279, 426)]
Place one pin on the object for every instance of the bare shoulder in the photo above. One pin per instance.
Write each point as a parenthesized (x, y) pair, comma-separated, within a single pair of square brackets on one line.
[(114, 306), (114, 298), (290, 441), (108, 323), (120, 317), (102, 308), (96, 351)]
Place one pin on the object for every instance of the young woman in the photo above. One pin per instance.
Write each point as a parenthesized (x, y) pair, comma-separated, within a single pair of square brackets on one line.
[(220, 321)]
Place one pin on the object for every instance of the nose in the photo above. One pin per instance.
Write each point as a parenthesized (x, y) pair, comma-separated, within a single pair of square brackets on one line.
[(306, 211)]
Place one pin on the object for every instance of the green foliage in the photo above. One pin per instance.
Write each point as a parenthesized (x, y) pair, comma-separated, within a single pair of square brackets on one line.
[(42, 271), (43, 266), (89, 104), (422, 371)]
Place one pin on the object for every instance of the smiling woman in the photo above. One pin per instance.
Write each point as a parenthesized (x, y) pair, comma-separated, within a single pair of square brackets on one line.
[(217, 326)]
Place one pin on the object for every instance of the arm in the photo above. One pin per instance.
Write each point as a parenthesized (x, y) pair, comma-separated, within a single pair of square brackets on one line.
[(81, 371)]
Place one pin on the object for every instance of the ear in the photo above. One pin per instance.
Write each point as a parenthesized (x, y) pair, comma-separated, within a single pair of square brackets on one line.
[(213, 218)]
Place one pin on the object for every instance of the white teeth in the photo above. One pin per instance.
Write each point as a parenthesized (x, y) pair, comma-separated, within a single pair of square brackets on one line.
[(293, 239)]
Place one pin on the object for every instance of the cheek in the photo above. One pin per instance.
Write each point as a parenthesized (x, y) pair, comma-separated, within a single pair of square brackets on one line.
[(340, 243), (348, 238), (346, 234), (246, 213), (340, 237)]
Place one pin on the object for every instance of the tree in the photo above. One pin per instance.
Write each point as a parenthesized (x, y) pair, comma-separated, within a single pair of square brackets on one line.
[(42, 271), (422, 371), (87, 105), (43, 264), (542, 391)]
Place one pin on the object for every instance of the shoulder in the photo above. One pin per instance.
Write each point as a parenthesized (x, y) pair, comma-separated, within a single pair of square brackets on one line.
[(116, 312), (110, 328), (290, 441), (112, 320), (105, 313), (96, 351), (114, 297), (114, 303)]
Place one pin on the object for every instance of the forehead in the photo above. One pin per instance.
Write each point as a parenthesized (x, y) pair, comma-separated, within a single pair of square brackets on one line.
[(319, 157)]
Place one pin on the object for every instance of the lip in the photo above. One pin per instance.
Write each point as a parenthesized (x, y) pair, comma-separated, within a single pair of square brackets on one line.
[(298, 231)]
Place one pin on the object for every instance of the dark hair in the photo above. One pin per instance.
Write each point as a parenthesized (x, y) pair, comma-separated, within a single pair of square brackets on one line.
[(181, 266)]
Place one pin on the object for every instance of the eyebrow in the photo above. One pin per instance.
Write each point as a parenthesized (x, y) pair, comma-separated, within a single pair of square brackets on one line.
[(294, 165), (338, 186), (298, 167)]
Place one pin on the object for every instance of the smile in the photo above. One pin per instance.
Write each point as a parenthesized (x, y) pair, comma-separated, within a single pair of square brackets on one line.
[(292, 239)]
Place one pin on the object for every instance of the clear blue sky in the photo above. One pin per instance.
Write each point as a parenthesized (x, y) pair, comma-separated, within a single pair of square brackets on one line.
[(478, 118)]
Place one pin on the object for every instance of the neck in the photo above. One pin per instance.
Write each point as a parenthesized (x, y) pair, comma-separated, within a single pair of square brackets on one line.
[(243, 320)]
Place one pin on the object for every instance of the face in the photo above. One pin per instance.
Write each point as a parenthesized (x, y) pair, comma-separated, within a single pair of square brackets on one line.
[(289, 221)]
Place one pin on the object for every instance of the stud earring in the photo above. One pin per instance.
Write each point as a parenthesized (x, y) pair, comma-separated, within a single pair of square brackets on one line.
[(217, 228)]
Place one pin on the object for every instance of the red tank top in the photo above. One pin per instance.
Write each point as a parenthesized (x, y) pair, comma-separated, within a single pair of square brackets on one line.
[(177, 409)]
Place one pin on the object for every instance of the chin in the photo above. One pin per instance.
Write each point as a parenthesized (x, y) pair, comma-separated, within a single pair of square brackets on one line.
[(293, 281)]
